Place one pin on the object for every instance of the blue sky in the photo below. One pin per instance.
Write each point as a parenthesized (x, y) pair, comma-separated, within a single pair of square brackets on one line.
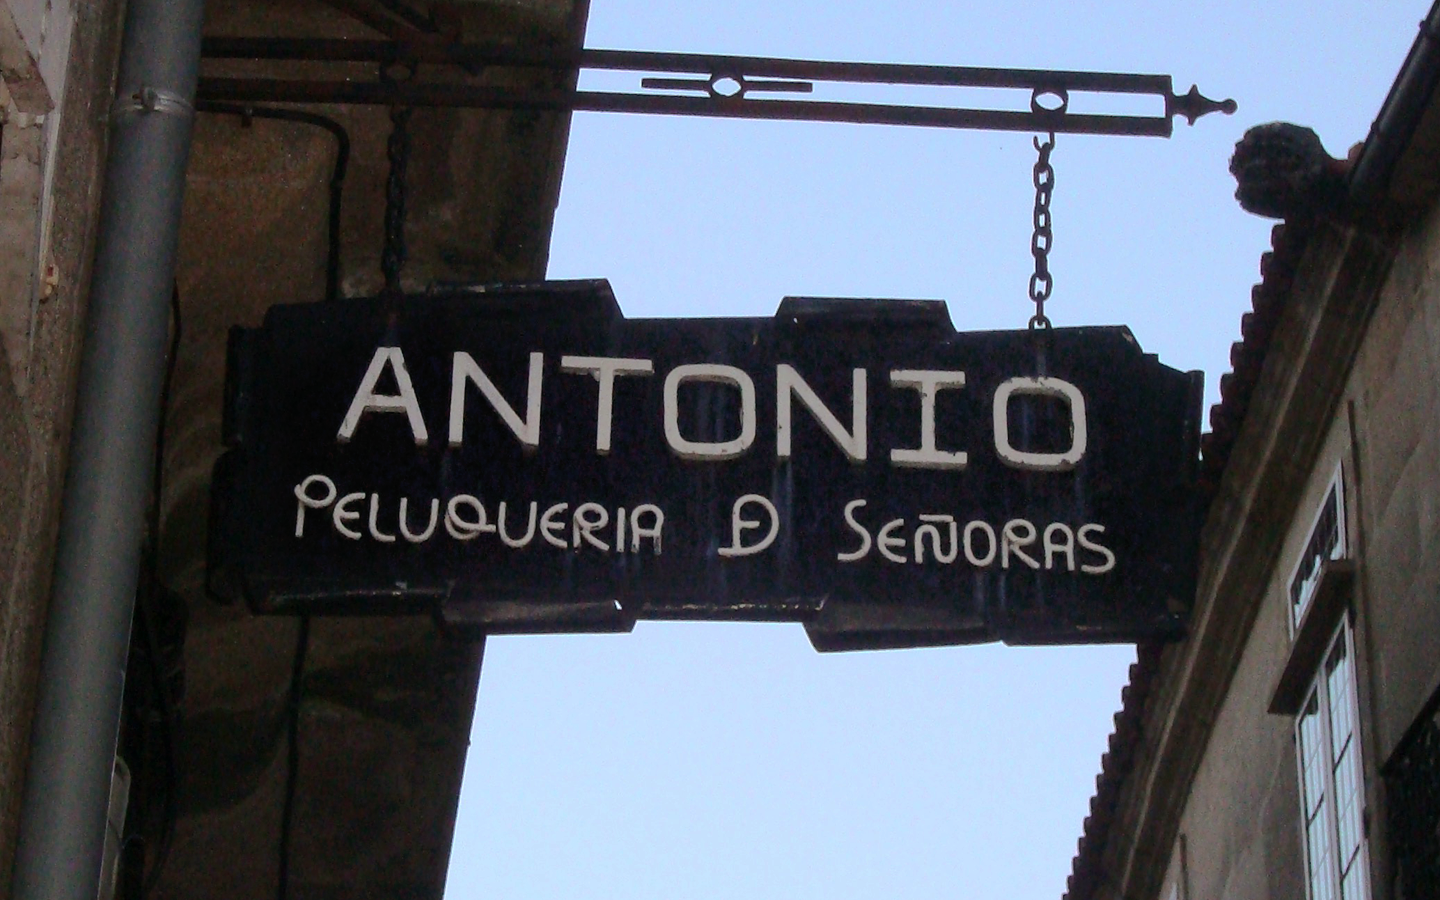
[(732, 761)]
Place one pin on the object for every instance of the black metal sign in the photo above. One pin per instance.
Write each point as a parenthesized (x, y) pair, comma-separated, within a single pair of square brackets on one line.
[(526, 459)]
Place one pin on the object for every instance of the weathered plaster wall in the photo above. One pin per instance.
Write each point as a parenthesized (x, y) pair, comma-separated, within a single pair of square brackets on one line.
[(1242, 818), (1239, 822), (1396, 390), (36, 397), (385, 719), (386, 703)]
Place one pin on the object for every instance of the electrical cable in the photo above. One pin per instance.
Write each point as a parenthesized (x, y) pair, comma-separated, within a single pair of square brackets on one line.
[(147, 614), (332, 292), (424, 22), (292, 760), (337, 174)]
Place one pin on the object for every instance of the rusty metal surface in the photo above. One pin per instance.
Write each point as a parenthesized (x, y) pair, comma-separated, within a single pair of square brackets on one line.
[(731, 86)]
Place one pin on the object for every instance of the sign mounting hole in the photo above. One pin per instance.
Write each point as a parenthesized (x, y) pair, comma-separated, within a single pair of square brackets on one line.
[(728, 86), (1049, 100)]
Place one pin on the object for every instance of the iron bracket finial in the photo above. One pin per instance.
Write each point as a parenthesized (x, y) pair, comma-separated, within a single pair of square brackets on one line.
[(1193, 105)]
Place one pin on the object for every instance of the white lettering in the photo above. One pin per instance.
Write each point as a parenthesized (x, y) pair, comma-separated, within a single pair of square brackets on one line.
[(864, 549), (605, 368), (708, 450), (884, 541), (991, 545), (1017, 533), (366, 399), (944, 556), (1039, 387), (529, 528), (374, 526), (1053, 547), (552, 530), (341, 514), (461, 529), (423, 536), (1083, 536), (651, 531), (739, 525), (928, 382), (588, 518), (302, 493), (852, 442), (466, 371)]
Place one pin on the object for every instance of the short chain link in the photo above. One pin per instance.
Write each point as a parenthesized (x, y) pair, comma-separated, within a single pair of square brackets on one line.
[(1042, 282), (397, 151)]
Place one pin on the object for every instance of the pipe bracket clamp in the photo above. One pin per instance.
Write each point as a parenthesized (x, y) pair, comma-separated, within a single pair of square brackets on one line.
[(148, 100)]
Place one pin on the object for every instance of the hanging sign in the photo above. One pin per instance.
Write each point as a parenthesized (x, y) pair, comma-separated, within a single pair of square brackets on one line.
[(522, 459)]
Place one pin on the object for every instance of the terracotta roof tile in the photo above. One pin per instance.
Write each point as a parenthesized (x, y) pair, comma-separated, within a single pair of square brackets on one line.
[(1247, 356), (1088, 870)]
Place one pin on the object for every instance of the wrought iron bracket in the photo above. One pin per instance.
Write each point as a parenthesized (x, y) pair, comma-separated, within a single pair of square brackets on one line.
[(692, 84)]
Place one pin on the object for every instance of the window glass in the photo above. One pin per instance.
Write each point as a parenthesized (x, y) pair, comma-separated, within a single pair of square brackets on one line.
[(1349, 800), (1332, 792), (1319, 842), (1327, 542)]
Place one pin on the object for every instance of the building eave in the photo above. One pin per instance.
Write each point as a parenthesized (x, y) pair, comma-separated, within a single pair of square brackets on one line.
[(1315, 271)]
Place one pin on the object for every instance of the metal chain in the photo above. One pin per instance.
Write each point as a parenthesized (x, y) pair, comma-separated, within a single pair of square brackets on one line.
[(1042, 282), (397, 151)]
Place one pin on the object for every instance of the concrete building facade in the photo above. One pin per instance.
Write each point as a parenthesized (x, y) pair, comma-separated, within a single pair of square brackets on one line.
[(57, 62), (254, 752), (1288, 747)]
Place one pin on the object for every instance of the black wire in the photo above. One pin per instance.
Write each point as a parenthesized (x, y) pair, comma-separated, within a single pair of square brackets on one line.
[(337, 174), (397, 152), (332, 292), (292, 761), (411, 16), (147, 613)]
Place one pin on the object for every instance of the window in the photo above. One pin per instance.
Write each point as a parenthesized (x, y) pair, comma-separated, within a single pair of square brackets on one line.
[(1332, 796), (1176, 880), (1327, 542), (1318, 689)]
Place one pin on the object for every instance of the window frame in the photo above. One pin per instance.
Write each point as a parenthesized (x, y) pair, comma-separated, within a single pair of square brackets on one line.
[(1329, 816), (1296, 610), (1177, 883), (1334, 819)]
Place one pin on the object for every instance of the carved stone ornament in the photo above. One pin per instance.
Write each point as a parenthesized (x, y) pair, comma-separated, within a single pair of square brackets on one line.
[(1282, 170)]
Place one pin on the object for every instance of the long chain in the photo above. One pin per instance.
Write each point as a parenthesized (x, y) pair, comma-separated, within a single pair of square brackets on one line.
[(397, 151), (1042, 282)]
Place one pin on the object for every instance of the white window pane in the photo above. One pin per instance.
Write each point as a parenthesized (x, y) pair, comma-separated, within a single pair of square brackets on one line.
[(1327, 541), (1320, 843), (1312, 766), (1348, 802), (1352, 887), (1338, 686)]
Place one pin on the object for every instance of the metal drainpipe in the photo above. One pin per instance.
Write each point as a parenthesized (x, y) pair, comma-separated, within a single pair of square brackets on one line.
[(1400, 114), (102, 520)]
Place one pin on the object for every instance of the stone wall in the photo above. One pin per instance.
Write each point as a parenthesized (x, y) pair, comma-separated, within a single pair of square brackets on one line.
[(1396, 392), (1242, 821), (38, 366), (385, 705)]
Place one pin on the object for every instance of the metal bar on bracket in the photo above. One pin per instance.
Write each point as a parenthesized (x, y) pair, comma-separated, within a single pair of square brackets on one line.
[(242, 90), (722, 92), (440, 51)]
